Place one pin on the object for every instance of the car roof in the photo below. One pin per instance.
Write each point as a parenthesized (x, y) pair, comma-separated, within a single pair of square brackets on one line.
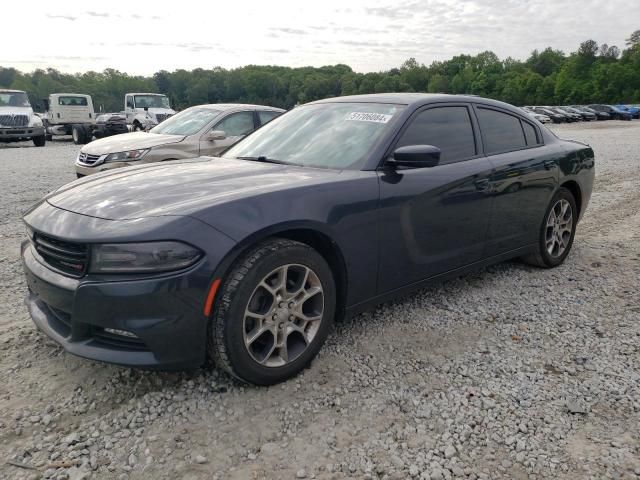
[(233, 106), (8, 90), (416, 99), (147, 93)]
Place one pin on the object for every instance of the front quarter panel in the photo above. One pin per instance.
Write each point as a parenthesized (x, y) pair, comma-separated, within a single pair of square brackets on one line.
[(344, 210)]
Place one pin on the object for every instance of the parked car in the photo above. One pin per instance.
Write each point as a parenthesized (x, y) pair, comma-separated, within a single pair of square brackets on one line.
[(196, 131), (586, 116), (18, 122), (554, 116), (109, 124), (614, 112), (329, 209), (634, 111), (599, 115), (538, 116), (571, 117)]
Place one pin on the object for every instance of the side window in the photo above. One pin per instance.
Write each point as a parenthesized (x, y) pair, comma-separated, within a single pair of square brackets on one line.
[(502, 132), (236, 124), (266, 116), (530, 134), (448, 128), (129, 102)]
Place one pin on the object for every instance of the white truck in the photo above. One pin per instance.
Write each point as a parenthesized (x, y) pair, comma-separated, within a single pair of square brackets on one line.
[(146, 110), (17, 120), (73, 114)]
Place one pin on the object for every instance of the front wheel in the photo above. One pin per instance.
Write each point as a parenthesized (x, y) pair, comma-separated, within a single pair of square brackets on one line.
[(557, 231), (273, 312), (40, 141)]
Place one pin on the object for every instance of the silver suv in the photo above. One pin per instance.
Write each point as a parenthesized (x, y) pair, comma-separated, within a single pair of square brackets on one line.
[(202, 130)]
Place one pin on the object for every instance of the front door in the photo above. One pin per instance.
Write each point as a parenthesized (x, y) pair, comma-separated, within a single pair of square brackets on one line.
[(235, 127), (433, 220)]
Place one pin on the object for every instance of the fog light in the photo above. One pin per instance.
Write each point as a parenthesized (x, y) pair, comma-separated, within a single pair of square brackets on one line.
[(122, 333)]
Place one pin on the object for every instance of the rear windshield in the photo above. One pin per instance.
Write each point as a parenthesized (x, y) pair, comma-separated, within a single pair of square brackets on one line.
[(72, 101)]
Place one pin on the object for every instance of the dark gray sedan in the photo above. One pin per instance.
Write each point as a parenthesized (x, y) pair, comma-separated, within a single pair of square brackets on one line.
[(327, 210)]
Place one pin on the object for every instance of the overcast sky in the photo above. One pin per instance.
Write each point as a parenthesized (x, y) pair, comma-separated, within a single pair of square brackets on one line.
[(368, 35)]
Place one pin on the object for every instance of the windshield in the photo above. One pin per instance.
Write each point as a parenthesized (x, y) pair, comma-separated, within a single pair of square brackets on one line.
[(151, 101), (326, 135), (187, 122), (14, 99)]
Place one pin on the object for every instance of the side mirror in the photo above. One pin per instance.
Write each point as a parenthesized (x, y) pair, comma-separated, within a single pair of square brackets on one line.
[(215, 135), (416, 156), (146, 109)]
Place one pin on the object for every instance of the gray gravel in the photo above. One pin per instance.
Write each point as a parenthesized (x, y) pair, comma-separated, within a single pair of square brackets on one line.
[(511, 372)]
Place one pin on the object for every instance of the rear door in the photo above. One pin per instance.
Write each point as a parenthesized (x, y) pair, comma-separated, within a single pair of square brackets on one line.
[(433, 220), (524, 178), (235, 125)]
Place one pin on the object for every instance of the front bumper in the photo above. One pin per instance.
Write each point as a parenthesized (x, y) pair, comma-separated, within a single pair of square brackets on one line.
[(17, 133), (163, 316)]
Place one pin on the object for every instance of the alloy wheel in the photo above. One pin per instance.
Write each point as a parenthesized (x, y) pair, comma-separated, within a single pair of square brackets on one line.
[(559, 228), (283, 315)]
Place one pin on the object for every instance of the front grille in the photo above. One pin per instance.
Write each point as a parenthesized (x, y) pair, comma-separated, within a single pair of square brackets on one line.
[(67, 257), (14, 120), (161, 117), (88, 159)]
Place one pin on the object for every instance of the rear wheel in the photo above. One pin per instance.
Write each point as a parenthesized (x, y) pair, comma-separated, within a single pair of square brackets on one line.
[(79, 134), (273, 313), (556, 232)]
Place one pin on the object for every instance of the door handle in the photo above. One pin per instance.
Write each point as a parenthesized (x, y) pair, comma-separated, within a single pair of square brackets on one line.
[(549, 164), (482, 184)]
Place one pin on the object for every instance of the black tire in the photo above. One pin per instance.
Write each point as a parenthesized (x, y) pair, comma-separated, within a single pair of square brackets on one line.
[(79, 134), (226, 344), (136, 127), (40, 141), (542, 257)]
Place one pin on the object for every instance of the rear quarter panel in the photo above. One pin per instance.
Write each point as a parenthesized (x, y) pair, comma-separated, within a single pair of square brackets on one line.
[(578, 165)]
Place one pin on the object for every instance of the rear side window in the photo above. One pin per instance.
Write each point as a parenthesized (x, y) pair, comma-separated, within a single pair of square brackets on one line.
[(530, 134), (448, 128), (266, 116), (73, 101), (501, 132)]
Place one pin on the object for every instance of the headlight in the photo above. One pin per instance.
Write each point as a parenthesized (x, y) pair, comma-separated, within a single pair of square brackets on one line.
[(142, 257), (126, 156), (35, 121)]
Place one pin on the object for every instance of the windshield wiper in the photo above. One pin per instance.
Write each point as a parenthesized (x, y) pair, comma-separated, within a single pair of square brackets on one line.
[(264, 159)]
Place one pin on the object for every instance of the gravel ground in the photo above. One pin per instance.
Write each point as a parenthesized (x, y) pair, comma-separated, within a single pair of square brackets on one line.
[(511, 372)]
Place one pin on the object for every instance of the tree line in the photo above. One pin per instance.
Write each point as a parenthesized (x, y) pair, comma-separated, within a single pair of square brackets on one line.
[(592, 74)]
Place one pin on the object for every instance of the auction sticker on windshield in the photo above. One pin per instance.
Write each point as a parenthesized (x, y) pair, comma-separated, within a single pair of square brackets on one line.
[(368, 117)]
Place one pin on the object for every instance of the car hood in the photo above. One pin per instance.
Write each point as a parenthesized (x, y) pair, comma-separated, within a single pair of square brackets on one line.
[(129, 141), (183, 188)]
